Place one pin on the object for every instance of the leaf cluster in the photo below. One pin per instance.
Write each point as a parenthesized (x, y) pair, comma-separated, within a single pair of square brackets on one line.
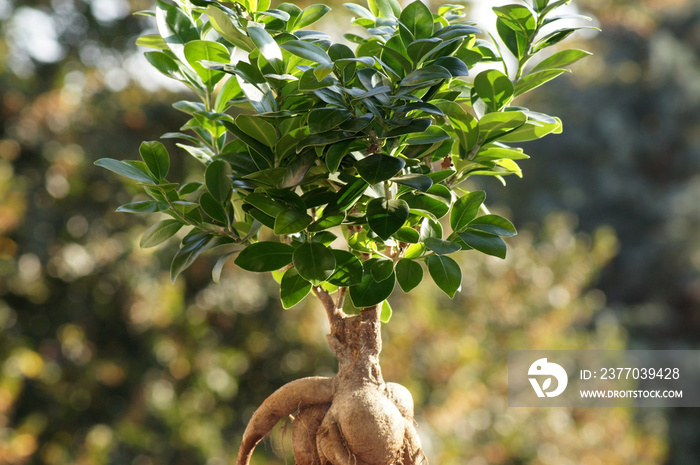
[(306, 144)]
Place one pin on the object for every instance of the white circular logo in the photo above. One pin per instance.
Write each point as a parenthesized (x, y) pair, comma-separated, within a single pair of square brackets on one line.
[(541, 368)]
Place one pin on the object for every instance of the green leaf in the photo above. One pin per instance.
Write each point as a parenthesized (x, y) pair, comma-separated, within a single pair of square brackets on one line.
[(310, 15), (494, 224), (370, 292), (348, 269), (454, 65), (446, 273), (386, 312), (534, 80), (213, 207), (517, 17), (223, 24), (537, 126), (208, 51), (175, 27), (325, 119), (409, 274), (125, 169), (427, 203), (165, 65), (556, 36), (382, 269), (465, 210), (307, 50), (268, 47), (385, 217), (265, 203), (455, 31), (494, 88), (516, 43), (561, 60), (441, 247), (219, 266), (188, 253), (258, 129), (159, 232), (314, 262), (154, 154), (428, 75), (143, 206), (407, 234), (430, 136), (384, 8), (265, 256), (348, 195), (293, 288), (152, 41), (495, 125), (489, 244), (379, 167), (420, 182), (291, 221), (417, 22), (217, 180)]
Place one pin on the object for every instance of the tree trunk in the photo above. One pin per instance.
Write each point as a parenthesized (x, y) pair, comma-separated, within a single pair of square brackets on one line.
[(354, 418)]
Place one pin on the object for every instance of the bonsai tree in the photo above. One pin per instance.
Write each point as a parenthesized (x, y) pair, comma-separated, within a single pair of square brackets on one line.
[(343, 171)]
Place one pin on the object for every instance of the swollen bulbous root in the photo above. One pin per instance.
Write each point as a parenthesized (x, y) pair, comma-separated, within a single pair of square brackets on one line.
[(354, 418), (361, 425)]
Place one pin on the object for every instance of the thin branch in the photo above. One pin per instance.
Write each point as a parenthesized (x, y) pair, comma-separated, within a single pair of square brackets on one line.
[(334, 313)]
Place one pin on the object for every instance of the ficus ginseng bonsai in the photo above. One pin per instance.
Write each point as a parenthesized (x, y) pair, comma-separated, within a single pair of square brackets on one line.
[(333, 166)]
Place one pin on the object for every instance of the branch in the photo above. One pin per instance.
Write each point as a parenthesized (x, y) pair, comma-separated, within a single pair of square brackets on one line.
[(334, 313)]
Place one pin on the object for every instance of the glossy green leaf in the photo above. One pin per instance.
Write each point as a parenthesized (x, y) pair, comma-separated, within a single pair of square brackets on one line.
[(143, 206), (385, 217), (291, 221), (465, 210), (407, 234), (156, 157), (555, 37), (325, 119), (267, 46), (440, 246), (384, 8), (166, 65), (428, 75), (124, 169), (495, 125), (307, 50), (382, 269), (265, 256), (152, 41), (219, 266), (537, 126), (436, 207), (207, 51), (489, 244), (293, 288), (420, 182), (348, 269), (217, 180), (188, 253), (417, 22), (534, 80), (213, 207), (379, 167), (561, 60), (314, 262), (409, 274), (494, 88), (516, 43), (175, 27), (265, 203), (385, 312), (370, 292), (454, 31), (454, 65), (430, 136), (517, 17), (310, 15), (258, 129), (494, 224), (223, 24), (446, 273), (159, 233), (419, 48)]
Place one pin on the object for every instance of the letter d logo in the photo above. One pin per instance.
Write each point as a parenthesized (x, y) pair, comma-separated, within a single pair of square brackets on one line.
[(543, 368)]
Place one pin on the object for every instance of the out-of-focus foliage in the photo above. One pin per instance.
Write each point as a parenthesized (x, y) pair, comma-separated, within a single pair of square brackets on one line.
[(103, 361)]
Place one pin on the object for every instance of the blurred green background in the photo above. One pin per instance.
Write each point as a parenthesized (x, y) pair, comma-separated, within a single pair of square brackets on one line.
[(104, 361)]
